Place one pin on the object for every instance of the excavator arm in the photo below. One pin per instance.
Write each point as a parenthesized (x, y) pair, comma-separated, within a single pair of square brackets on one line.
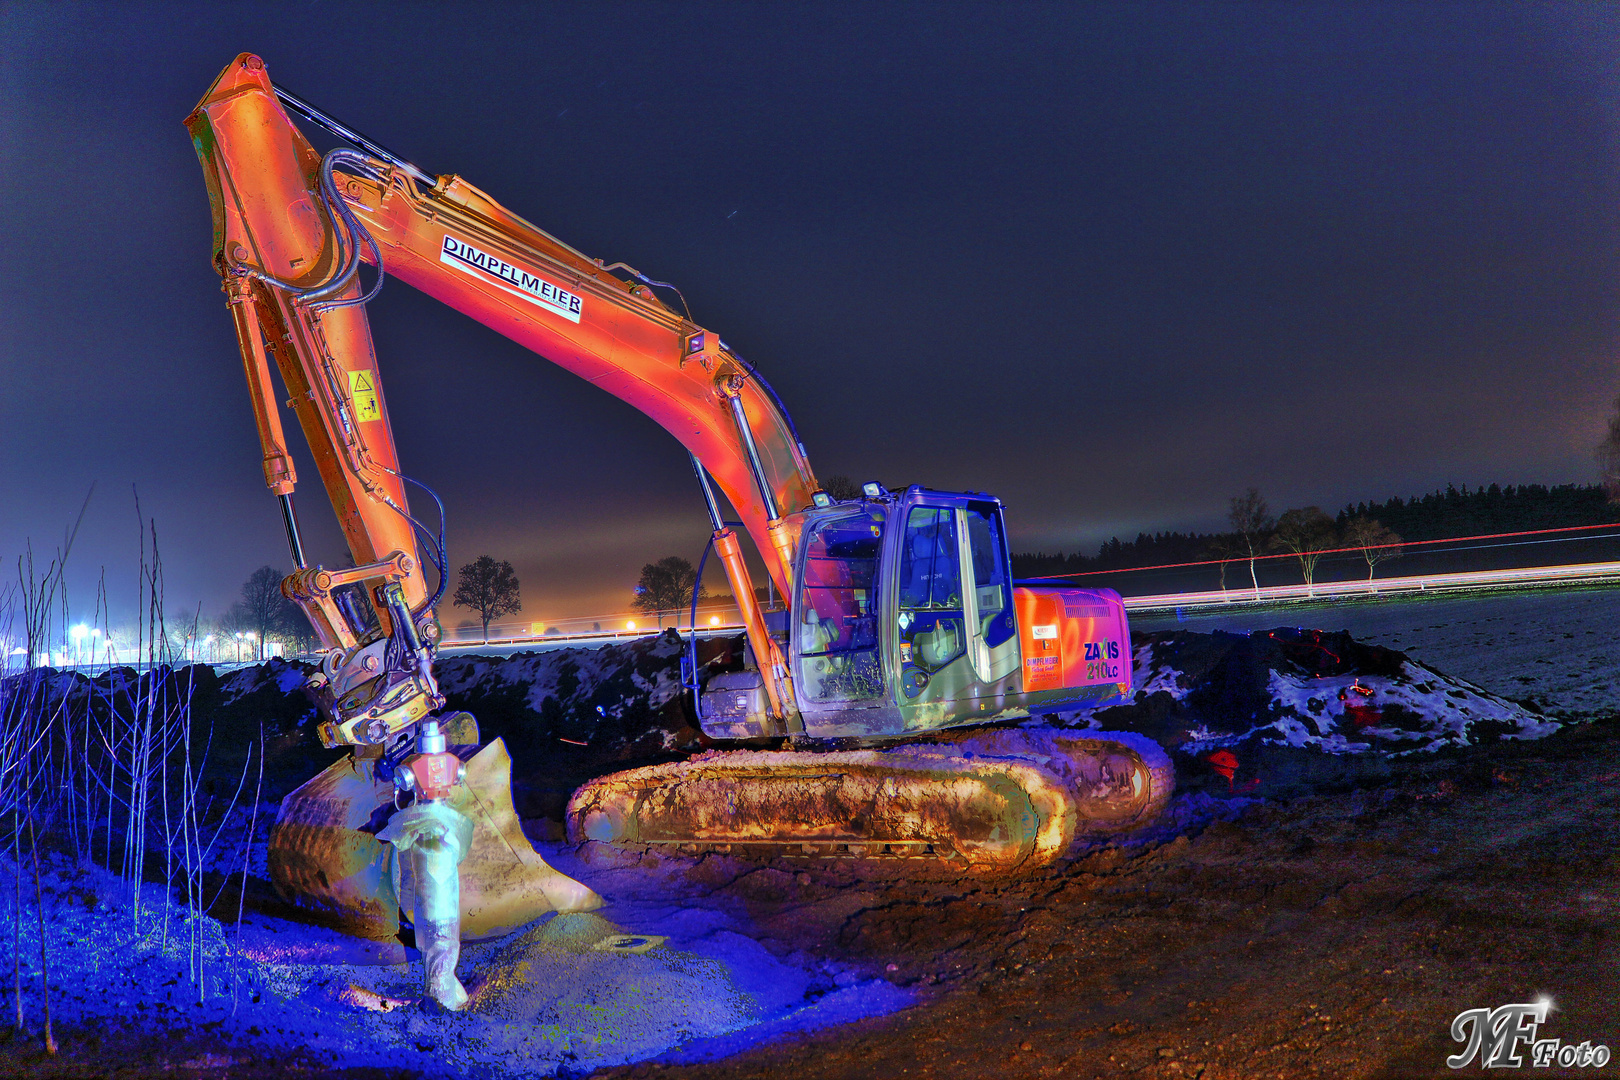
[(291, 228)]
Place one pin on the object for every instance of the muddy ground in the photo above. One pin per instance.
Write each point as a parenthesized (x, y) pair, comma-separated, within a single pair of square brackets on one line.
[(1336, 934), (1309, 914)]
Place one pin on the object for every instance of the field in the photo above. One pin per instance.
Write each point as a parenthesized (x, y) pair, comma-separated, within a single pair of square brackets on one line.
[(1557, 647)]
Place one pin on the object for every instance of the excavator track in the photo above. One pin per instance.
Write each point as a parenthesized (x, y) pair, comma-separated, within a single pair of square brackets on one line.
[(998, 801)]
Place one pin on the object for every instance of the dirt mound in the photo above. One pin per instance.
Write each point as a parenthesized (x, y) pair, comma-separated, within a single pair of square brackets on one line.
[(226, 713), (1287, 707), (569, 715), (1242, 711)]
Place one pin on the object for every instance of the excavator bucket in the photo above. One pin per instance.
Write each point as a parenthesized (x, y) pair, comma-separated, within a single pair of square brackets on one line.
[(325, 857)]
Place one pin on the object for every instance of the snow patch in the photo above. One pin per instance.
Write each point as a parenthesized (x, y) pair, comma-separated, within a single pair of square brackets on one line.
[(1151, 675)]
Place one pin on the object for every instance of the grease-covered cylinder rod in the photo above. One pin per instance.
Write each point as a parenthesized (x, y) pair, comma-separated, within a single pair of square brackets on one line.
[(761, 481), (708, 493), (289, 518)]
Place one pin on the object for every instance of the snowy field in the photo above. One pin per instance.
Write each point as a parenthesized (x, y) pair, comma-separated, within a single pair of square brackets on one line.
[(1556, 647)]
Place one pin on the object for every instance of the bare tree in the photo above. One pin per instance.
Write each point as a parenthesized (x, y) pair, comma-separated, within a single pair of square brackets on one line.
[(489, 588), (841, 487), (233, 627), (1251, 519), (1228, 548), (1306, 532), (1608, 456), (667, 585), (1377, 542), (263, 609)]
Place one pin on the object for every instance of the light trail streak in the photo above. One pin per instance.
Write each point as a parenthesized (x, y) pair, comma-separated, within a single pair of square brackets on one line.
[(1338, 551), (1577, 573)]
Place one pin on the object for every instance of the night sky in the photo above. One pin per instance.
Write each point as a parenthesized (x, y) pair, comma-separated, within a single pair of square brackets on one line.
[(1114, 263)]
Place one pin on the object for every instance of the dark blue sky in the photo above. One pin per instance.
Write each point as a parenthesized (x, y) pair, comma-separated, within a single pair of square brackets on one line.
[(1111, 262)]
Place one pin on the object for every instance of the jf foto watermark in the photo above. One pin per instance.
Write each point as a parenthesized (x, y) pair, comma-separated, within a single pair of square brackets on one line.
[(1494, 1035)]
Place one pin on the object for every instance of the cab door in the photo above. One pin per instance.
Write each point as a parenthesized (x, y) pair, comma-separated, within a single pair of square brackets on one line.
[(992, 624), (956, 641)]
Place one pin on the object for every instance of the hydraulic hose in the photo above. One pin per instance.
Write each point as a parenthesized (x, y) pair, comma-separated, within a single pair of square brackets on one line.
[(344, 131), (435, 544), (781, 407), (348, 254), (441, 561), (691, 644), (316, 298)]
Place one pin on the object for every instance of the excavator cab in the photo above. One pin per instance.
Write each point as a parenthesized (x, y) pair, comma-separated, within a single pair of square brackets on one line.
[(903, 615), (905, 619)]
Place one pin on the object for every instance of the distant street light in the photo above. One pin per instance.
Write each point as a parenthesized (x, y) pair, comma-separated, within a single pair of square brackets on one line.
[(714, 620), (239, 647), (80, 632), (631, 625)]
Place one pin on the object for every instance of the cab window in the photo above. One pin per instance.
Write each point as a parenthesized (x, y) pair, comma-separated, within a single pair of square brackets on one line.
[(836, 628), (932, 633), (990, 587)]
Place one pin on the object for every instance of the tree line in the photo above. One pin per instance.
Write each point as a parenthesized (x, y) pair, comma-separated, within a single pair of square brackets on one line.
[(1308, 533), (1443, 515), (261, 614)]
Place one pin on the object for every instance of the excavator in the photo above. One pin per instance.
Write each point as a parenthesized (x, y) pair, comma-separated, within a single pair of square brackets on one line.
[(888, 707)]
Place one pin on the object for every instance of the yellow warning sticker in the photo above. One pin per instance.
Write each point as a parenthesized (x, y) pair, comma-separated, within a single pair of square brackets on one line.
[(363, 395)]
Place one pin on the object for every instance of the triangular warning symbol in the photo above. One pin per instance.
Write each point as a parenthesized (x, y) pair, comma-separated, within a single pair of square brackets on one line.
[(360, 383)]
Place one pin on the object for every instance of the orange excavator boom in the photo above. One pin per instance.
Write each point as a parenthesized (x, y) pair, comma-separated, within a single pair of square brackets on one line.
[(291, 229)]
